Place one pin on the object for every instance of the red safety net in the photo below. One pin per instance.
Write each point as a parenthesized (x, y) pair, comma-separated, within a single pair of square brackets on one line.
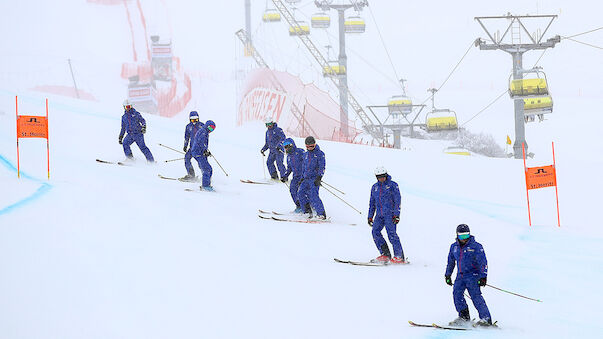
[(299, 109)]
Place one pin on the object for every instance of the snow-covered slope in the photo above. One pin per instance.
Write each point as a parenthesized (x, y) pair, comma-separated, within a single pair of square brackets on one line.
[(105, 251)]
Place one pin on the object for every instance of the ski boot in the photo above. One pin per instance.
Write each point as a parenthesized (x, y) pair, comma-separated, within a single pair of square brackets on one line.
[(484, 323), (207, 188), (463, 319), (274, 176), (321, 217), (188, 178), (397, 260)]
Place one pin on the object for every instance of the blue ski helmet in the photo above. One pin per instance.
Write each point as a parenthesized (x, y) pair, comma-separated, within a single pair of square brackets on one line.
[(193, 116), (211, 126), (289, 145)]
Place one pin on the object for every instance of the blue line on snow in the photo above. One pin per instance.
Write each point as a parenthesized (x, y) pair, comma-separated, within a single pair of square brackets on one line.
[(44, 187)]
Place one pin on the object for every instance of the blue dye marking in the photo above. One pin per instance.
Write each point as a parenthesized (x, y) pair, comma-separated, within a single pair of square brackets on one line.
[(44, 187)]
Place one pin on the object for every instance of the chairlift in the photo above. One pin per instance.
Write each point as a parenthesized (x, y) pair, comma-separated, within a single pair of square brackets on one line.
[(537, 107), (457, 150), (333, 69), (302, 29), (291, 2), (399, 104), (534, 84), (354, 24), (321, 20), (271, 15), (441, 120)]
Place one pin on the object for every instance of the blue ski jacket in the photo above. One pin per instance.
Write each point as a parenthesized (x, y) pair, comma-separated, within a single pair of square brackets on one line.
[(385, 199), (200, 141), (471, 259), (274, 139), (132, 122), (294, 162), (313, 163), (190, 131)]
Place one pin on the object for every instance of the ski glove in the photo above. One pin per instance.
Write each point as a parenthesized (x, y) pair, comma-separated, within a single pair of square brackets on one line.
[(120, 140), (370, 222), (143, 129), (317, 181), (184, 148), (206, 153), (262, 151), (396, 219), (284, 179), (448, 280), (482, 282)]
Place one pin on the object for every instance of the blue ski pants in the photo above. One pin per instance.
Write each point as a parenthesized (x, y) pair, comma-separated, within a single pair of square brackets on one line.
[(308, 193), (278, 157), (469, 283), (294, 189), (139, 140), (378, 223), (206, 169), (188, 156)]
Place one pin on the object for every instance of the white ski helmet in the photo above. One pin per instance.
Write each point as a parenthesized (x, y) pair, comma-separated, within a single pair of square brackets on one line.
[(268, 120), (380, 170), (127, 103)]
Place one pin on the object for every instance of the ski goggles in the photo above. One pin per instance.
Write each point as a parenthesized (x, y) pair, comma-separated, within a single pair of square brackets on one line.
[(128, 107), (463, 236), (211, 128), (269, 124), (195, 120), (381, 176), (310, 146)]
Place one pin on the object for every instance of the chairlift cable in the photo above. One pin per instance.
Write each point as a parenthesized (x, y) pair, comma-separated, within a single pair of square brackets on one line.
[(583, 43), (485, 108), (385, 47), (575, 35), (449, 75)]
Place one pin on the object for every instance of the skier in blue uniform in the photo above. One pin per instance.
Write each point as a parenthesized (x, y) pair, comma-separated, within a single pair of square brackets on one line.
[(294, 165), (274, 140), (472, 272), (313, 168), (134, 124), (384, 205), (200, 152), (189, 134)]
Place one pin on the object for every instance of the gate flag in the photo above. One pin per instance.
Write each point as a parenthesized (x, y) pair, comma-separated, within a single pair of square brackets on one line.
[(540, 177), (32, 126)]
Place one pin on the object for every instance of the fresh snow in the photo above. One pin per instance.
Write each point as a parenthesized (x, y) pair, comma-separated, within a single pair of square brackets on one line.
[(107, 251)]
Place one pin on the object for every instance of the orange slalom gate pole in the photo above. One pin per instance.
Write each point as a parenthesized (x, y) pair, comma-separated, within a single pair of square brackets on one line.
[(47, 141), (17, 117), (525, 171), (556, 183)]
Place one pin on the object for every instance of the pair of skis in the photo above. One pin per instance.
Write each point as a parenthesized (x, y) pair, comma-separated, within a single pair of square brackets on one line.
[(276, 216), (453, 328), (255, 182), (114, 163), (369, 263)]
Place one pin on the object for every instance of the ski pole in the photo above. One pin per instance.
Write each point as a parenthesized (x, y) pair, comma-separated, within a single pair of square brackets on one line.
[(345, 202), (219, 164), (263, 161), (519, 295), (335, 188), (173, 149), (174, 159)]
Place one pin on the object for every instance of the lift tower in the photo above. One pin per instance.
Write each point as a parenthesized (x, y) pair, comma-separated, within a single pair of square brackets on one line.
[(326, 5), (516, 48)]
